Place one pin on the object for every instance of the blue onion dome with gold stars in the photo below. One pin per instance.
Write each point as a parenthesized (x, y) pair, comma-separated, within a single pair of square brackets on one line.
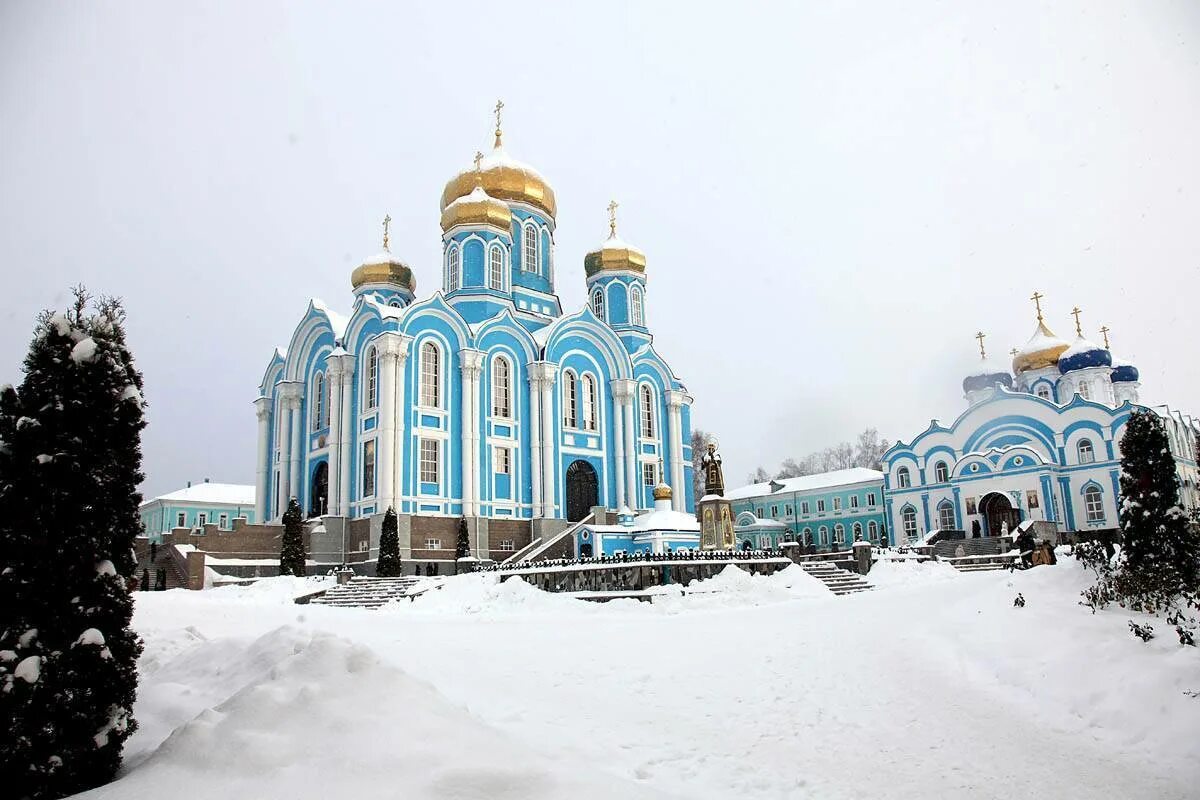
[(987, 373), (1083, 353), (614, 254), (504, 178), (1043, 348), (1123, 371)]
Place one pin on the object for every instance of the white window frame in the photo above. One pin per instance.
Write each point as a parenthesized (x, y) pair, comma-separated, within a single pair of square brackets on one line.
[(429, 452), (941, 472), (453, 268), (496, 268), (432, 544), (181, 519), (821, 506), (872, 531), (903, 478), (318, 401), (501, 388), (637, 313), (532, 260), (839, 533), (588, 417), (856, 532), (853, 501), (647, 408), (946, 515), (1083, 447), (201, 519), (1043, 391), (501, 461), (870, 498), (430, 374), (650, 476), (804, 507), (908, 515), (369, 476), (570, 399), (371, 380), (1093, 504), (1085, 390), (837, 504), (507, 545), (598, 303), (223, 522)]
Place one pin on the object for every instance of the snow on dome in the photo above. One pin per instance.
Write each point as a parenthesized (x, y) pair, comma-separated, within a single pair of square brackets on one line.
[(1042, 350), (1083, 354), (1124, 371), (987, 373), (503, 177)]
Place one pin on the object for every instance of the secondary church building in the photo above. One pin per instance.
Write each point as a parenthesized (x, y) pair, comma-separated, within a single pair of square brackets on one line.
[(483, 400), (1041, 442)]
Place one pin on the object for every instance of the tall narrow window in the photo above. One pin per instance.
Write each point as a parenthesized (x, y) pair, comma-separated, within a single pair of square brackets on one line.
[(854, 501), (496, 269), (589, 403), (1087, 454), (839, 533), (371, 395), (502, 461), (1085, 390), (908, 518), (858, 532), (501, 388), (902, 478), (946, 517), (941, 473), (318, 401), (452, 269), (431, 456), (872, 530), (531, 262), (368, 469), (647, 412), (636, 316), (598, 303), (1093, 503), (570, 400), (431, 375), (650, 476), (837, 504)]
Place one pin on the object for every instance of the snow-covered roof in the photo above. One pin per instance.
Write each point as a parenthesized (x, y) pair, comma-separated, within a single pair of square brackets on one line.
[(339, 322), (233, 494), (1041, 340), (987, 366), (1080, 346), (823, 480), (664, 519), (476, 195)]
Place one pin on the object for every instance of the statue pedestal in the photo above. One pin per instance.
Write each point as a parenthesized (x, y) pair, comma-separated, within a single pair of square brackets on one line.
[(716, 523)]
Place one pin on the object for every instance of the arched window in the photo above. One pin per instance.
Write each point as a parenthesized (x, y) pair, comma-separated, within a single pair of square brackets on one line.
[(318, 401), (839, 533), (598, 304), (1043, 391), (647, 412), (570, 400), (903, 480), (873, 531), (496, 269), (1093, 504), (908, 519), (452, 268), (531, 262), (807, 534), (1087, 454), (857, 531), (589, 403), (431, 375), (946, 516), (823, 536), (940, 473), (501, 388), (371, 395), (1085, 390), (636, 316)]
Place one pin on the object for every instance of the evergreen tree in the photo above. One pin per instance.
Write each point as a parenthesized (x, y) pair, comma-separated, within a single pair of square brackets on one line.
[(389, 547), (463, 547), (70, 464), (292, 557)]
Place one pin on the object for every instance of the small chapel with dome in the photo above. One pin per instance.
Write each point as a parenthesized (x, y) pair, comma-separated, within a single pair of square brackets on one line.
[(482, 400), (1040, 440)]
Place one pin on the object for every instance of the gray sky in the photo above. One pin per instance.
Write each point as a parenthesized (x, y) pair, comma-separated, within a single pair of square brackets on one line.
[(832, 200)]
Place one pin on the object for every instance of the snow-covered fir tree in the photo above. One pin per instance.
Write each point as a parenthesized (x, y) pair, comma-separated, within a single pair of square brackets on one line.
[(389, 547), (462, 548), (292, 557), (70, 464)]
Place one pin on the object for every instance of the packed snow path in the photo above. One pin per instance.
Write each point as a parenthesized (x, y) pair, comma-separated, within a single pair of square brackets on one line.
[(932, 686)]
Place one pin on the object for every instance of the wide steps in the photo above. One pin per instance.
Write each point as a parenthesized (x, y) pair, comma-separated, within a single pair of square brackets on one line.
[(363, 592), (836, 579)]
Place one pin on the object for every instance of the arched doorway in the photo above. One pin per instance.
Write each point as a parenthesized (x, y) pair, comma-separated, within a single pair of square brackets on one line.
[(997, 509), (318, 501), (583, 490)]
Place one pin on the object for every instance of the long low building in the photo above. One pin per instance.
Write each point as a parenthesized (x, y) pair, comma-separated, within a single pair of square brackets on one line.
[(827, 510), (198, 505)]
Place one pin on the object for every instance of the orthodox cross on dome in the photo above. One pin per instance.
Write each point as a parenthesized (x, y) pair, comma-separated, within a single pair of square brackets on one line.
[(1078, 328), (1037, 301), (478, 159), (980, 336), (1104, 333), (1013, 352), (387, 224), (612, 219), (499, 107), (478, 170)]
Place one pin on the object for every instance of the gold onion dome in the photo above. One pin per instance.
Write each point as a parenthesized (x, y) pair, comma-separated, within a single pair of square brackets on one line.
[(476, 208), (503, 177), (662, 492), (384, 268), (614, 254), (1042, 350)]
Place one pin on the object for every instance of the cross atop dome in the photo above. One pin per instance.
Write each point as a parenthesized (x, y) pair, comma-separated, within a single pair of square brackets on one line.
[(982, 353), (387, 223), (1104, 333), (1078, 328), (612, 219), (498, 109), (1037, 301)]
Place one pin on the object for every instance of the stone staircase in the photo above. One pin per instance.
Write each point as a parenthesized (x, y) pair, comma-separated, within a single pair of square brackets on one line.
[(162, 560), (837, 579), (363, 592), (982, 563)]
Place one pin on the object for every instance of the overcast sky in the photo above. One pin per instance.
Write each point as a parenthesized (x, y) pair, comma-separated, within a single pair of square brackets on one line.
[(832, 200)]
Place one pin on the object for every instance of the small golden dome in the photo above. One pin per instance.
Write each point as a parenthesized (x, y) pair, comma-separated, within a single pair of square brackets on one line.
[(662, 492), (505, 178), (614, 254), (384, 268), (1042, 350), (477, 208)]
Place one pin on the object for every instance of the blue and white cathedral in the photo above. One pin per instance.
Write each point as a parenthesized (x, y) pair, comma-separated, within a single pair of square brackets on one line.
[(482, 400)]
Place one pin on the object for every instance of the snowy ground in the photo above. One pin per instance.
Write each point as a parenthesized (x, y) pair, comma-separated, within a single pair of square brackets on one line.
[(932, 686)]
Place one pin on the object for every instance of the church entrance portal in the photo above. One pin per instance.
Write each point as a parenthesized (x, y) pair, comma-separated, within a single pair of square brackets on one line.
[(318, 502), (997, 509), (583, 490)]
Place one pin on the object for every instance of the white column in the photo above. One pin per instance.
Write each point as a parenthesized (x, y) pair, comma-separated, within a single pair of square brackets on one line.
[(262, 490), (349, 429), (618, 432), (475, 451), (401, 421), (549, 484), (535, 436), (386, 436), (675, 433), (468, 363), (333, 377), (283, 436), (297, 443), (624, 391)]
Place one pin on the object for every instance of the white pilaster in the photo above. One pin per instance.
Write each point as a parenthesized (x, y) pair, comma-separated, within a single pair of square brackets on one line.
[(333, 375), (283, 435), (401, 420), (388, 347), (297, 457), (262, 489), (535, 435), (618, 433), (623, 391), (675, 434), (547, 373), (469, 362), (348, 430)]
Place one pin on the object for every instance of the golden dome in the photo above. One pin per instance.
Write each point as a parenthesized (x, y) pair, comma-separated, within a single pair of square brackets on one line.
[(1042, 350), (662, 492), (614, 254), (505, 178), (384, 268), (476, 208)]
